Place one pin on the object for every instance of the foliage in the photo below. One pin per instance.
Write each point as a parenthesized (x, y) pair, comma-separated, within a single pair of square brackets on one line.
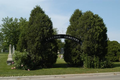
[(55, 31), (72, 51), (60, 44), (40, 27), (91, 30), (113, 53), (93, 35), (22, 42), (1, 40), (11, 29), (22, 60), (95, 62)]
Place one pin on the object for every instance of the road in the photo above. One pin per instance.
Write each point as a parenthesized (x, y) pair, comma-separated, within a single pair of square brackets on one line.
[(90, 76)]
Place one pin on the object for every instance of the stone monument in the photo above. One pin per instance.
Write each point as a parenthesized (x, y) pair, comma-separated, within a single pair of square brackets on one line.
[(9, 60)]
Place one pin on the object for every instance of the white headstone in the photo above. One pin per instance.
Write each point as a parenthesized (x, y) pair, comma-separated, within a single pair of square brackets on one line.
[(9, 60)]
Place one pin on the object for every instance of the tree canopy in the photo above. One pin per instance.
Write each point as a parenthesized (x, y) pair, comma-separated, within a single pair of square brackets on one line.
[(11, 29), (91, 30), (72, 49), (39, 27), (113, 53)]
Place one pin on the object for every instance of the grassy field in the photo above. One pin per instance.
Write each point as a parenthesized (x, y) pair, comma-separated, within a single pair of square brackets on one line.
[(59, 68)]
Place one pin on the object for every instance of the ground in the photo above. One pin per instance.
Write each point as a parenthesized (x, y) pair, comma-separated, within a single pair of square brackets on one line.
[(59, 68)]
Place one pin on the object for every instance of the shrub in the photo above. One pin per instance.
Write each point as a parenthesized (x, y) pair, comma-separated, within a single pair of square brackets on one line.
[(22, 60), (95, 62)]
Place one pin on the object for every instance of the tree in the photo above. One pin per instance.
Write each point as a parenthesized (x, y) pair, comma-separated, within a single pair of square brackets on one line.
[(44, 54), (93, 34), (113, 53), (91, 30), (11, 29), (22, 42), (1, 40), (72, 51), (94, 38)]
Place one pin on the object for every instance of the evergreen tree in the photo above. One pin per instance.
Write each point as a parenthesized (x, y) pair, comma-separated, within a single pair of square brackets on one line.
[(94, 39), (72, 51), (40, 27), (93, 35), (91, 30)]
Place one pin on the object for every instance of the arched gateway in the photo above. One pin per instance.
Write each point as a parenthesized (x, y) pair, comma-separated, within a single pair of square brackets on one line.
[(58, 36)]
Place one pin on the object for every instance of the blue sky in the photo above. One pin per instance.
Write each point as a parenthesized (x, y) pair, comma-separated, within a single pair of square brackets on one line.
[(60, 12)]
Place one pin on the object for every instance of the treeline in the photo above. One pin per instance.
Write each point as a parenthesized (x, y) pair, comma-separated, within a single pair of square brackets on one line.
[(96, 50)]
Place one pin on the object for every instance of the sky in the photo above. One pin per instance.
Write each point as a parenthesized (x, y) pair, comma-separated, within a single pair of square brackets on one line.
[(60, 12)]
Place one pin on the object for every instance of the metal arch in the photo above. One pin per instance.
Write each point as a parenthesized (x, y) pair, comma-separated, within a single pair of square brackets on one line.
[(58, 36)]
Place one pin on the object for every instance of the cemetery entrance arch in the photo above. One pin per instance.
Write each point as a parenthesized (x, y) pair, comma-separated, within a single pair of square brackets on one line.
[(58, 36)]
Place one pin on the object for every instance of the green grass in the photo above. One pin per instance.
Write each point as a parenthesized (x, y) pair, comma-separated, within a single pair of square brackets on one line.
[(59, 68)]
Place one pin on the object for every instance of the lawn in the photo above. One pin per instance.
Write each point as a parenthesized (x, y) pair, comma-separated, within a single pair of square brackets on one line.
[(59, 68)]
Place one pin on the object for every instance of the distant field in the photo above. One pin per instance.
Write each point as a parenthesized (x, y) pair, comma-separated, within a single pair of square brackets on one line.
[(59, 68)]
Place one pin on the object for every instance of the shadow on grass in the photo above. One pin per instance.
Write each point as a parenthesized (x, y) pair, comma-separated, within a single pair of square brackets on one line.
[(64, 65), (60, 65), (116, 64)]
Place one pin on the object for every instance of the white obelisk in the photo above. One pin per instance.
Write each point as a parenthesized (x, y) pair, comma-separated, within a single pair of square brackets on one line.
[(9, 60)]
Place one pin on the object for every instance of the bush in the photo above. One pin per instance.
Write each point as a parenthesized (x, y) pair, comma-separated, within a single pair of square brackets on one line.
[(95, 62), (22, 60), (106, 64)]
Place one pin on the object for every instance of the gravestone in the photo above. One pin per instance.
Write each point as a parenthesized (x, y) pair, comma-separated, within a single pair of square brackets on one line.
[(9, 60)]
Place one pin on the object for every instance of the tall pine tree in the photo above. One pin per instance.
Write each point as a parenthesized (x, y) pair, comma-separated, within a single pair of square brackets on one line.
[(72, 51), (40, 27), (94, 38), (91, 30)]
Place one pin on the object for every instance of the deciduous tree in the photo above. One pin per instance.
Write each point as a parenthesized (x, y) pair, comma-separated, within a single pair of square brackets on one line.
[(113, 53)]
